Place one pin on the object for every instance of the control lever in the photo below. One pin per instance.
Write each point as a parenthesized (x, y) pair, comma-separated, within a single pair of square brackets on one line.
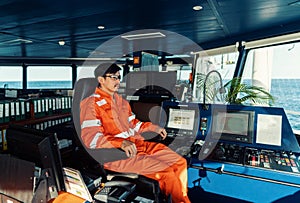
[(197, 147), (206, 149)]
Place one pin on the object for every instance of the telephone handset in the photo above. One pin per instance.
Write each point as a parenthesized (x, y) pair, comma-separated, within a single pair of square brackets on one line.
[(115, 191)]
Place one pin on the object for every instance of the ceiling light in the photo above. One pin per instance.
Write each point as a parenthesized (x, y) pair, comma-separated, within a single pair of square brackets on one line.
[(16, 41), (61, 42), (197, 8), (143, 36), (178, 56), (101, 27)]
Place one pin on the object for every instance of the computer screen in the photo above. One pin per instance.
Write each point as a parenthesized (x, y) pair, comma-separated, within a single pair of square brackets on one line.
[(146, 111), (181, 119), (39, 147), (233, 125), (164, 82), (136, 81), (147, 83), (24, 143)]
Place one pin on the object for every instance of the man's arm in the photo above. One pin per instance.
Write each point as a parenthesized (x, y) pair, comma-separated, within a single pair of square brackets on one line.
[(141, 127)]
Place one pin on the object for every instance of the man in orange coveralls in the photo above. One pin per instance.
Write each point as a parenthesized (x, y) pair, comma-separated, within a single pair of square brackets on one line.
[(107, 121)]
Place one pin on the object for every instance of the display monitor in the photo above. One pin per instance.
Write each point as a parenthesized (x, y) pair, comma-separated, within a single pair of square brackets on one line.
[(233, 125), (181, 119), (146, 111), (136, 81), (164, 82), (151, 83), (39, 147)]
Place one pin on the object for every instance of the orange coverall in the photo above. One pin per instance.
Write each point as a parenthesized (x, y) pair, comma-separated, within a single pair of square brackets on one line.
[(106, 123)]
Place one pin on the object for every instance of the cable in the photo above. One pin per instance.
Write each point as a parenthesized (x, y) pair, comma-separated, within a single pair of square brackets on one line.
[(221, 90)]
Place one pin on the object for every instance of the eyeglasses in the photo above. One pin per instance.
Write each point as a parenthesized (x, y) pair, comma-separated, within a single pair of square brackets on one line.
[(114, 77)]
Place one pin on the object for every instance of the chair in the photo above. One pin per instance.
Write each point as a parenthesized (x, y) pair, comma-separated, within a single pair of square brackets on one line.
[(84, 88)]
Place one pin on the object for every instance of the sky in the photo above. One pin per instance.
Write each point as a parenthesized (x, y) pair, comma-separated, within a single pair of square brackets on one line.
[(286, 61), (36, 73)]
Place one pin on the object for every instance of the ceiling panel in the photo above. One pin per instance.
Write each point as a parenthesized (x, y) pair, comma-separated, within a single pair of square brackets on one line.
[(220, 22)]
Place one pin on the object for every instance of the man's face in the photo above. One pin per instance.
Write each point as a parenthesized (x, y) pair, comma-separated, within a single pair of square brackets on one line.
[(110, 82)]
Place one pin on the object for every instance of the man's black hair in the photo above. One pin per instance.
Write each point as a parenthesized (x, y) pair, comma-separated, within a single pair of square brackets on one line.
[(106, 68)]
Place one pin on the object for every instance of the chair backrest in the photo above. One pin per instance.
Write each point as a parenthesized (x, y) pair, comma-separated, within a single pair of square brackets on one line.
[(84, 88)]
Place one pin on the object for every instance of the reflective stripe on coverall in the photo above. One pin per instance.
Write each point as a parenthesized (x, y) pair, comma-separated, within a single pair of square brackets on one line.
[(105, 123)]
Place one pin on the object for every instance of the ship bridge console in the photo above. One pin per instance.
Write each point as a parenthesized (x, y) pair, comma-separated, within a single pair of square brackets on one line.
[(236, 150)]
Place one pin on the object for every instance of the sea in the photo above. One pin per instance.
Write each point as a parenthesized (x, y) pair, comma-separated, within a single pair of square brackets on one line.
[(287, 95), (37, 84), (285, 91)]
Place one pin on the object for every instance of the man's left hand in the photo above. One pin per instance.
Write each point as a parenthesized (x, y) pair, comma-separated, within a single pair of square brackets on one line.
[(162, 132)]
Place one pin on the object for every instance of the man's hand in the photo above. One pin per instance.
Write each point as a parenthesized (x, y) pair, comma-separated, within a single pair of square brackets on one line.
[(162, 132), (129, 148)]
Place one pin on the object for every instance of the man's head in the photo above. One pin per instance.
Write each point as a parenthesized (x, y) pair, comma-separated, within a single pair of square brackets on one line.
[(108, 76)]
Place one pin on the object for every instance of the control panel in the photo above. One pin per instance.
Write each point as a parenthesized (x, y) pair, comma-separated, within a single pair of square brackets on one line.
[(254, 143), (180, 141), (251, 136), (287, 161)]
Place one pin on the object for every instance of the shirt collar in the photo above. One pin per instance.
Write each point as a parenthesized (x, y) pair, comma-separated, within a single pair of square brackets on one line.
[(105, 94)]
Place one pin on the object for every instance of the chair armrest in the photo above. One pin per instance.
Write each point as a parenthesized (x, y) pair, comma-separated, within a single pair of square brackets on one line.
[(152, 136), (104, 155)]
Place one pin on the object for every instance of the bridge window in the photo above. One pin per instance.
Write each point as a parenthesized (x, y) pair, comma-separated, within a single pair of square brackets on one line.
[(277, 69), (85, 71), (11, 77), (88, 71), (224, 63), (49, 77)]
